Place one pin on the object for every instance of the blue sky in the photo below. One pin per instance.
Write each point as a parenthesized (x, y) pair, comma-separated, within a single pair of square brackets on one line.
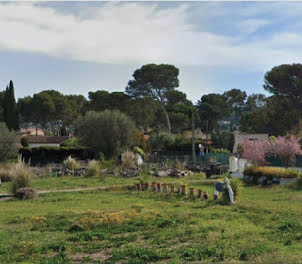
[(77, 47)]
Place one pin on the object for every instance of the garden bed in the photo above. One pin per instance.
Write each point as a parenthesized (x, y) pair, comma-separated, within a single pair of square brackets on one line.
[(270, 175)]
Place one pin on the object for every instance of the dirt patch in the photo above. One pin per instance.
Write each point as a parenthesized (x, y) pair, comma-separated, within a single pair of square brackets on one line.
[(101, 255)]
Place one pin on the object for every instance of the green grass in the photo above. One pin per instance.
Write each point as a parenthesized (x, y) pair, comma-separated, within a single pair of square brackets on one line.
[(72, 182), (128, 226)]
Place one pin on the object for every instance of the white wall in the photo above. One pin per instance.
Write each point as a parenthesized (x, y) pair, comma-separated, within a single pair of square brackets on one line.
[(36, 145)]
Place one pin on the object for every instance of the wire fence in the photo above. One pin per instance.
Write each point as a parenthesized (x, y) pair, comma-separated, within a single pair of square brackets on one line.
[(167, 157)]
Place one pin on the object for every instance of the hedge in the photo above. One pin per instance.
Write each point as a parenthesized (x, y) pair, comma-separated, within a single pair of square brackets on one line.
[(46, 154), (271, 172)]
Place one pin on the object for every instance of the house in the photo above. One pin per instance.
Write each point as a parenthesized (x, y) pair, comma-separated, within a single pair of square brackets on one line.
[(39, 141), (31, 131), (240, 137)]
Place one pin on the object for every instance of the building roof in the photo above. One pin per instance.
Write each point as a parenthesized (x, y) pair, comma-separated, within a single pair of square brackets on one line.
[(46, 139), (32, 131)]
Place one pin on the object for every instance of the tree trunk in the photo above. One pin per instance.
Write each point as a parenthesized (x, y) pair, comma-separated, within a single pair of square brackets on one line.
[(193, 136), (167, 118)]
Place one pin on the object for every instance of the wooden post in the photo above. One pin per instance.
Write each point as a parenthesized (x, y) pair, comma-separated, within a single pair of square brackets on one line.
[(153, 186), (139, 186), (183, 189), (158, 185), (199, 193), (191, 192), (172, 188)]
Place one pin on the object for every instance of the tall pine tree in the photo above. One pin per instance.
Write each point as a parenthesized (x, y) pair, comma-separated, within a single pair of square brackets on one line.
[(10, 110)]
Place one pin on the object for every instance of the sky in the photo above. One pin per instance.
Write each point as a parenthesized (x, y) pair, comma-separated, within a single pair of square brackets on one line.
[(77, 47)]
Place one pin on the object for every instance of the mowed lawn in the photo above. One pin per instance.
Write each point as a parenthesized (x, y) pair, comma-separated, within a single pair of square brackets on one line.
[(128, 226)]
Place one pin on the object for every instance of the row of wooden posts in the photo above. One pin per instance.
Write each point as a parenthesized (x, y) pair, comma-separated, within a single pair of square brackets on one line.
[(164, 187)]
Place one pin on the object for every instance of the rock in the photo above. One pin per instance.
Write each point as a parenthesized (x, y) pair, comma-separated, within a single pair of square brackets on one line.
[(128, 173), (163, 173), (26, 193)]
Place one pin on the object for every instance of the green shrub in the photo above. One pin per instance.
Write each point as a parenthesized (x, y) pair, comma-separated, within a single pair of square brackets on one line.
[(71, 142), (71, 164), (24, 142), (47, 154), (93, 168), (219, 150), (5, 172), (271, 172), (109, 131), (21, 176), (8, 143), (236, 185)]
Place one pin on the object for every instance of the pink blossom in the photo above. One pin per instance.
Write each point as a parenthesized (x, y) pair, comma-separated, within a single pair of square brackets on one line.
[(286, 148), (255, 151)]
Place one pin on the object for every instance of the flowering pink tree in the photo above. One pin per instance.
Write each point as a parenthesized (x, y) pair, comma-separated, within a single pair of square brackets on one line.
[(255, 151), (286, 148)]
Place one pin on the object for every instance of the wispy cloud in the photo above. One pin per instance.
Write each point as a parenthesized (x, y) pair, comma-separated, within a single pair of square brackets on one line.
[(137, 33)]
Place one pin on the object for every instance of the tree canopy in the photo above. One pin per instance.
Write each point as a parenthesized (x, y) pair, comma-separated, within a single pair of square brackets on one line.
[(154, 81)]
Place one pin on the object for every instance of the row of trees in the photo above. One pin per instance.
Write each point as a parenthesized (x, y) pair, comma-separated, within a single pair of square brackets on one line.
[(151, 100)]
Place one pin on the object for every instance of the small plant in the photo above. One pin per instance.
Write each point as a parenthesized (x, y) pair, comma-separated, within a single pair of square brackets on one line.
[(93, 168), (71, 164), (21, 175), (128, 160), (236, 185), (24, 142), (271, 172)]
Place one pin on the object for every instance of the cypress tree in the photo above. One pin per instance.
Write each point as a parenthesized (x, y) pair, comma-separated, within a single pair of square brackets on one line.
[(10, 110)]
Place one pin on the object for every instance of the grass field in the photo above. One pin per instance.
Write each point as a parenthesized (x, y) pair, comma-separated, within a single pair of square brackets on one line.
[(127, 226)]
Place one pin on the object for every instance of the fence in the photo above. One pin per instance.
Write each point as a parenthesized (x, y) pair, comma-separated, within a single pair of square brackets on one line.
[(187, 157), (276, 162)]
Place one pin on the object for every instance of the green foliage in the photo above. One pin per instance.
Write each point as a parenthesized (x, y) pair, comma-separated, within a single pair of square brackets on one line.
[(71, 142), (224, 140), (109, 132), (5, 172), (236, 185), (139, 151), (24, 142), (219, 150), (21, 176), (154, 81), (10, 109), (211, 108), (8, 143), (272, 172)]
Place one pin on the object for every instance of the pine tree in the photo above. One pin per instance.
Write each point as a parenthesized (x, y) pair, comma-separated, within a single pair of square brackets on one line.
[(10, 110)]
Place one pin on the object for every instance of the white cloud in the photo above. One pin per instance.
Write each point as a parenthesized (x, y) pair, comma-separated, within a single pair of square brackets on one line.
[(136, 33)]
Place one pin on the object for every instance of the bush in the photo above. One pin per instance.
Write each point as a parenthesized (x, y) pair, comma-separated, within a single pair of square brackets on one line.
[(109, 132), (21, 176), (271, 172), (5, 172), (8, 143), (71, 164), (71, 142), (24, 142), (47, 154), (93, 168), (128, 160), (236, 185)]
